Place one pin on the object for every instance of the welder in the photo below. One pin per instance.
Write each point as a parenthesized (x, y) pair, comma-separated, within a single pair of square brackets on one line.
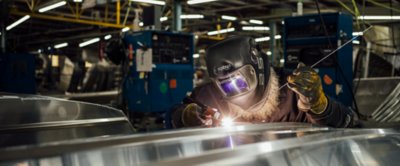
[(242, 77)]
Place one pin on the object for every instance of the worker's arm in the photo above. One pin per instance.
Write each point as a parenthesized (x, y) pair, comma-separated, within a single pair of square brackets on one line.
[(335, 115), (312, 100), (185, 114)]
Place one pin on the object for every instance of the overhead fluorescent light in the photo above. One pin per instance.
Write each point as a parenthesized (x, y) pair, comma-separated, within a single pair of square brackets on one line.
[(379, 17), (191, 16), (61, 45), (91, 41), (191, 2), (357, 33), (261, 39), (163, 18), (251, 28), (283, 22), (356, 42), (256, 21), (56, 5), (221, 31), (18, 22), (268, 52), (282, 60), (141, 24), (228, 17), (196, 36), (107, 37), (150, 1), (126, 29), (196, 55), (77, 0)]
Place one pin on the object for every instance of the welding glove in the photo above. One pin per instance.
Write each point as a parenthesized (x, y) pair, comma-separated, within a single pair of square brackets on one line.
[(307, 83), (193, 115)]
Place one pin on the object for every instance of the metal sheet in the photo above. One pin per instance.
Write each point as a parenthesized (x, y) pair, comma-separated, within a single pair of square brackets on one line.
[(261, 144), (31, 119), (371, 92)]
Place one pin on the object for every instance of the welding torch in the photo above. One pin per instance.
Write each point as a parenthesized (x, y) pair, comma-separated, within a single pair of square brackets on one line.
[(207, 112)]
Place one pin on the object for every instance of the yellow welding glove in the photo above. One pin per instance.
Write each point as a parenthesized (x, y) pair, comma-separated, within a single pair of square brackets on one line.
[(193, 115), (307, 83)]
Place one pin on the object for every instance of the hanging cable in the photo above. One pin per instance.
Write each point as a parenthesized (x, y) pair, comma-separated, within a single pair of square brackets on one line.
[(337, 63)]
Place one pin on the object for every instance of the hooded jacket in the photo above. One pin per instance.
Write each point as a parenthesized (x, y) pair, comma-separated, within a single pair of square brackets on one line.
[(279, 107)]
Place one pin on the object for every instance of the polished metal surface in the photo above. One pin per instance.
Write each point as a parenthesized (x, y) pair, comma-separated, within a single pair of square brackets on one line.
[(260, 144), (371, 92), (31, 119), (93, 97), (389, 109)]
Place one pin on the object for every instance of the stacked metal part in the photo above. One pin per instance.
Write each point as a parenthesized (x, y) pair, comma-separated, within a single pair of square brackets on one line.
[(389, 110), (32, 120), (260, 144)]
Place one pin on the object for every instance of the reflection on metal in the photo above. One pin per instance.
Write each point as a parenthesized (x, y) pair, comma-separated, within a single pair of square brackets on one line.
[(371, 92), (389, 110), (30, 119), (260, 144), (93, 97)]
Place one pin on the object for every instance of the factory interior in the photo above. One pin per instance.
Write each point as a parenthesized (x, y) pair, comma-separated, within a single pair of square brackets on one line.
[(199, 82)]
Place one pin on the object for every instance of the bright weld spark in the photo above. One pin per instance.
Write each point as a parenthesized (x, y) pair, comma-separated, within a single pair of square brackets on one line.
[(311, 67), (227, 122)]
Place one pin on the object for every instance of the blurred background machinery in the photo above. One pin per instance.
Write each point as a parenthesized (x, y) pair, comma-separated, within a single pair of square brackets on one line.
[(160, 71), (305, 41)]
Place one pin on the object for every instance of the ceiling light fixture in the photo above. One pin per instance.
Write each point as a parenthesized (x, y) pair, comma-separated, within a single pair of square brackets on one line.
[(261, 39), (357, 33), (107, 37), (379, 17), (56, 5), (150, 1), (192, 16), (228, 17), (221, 31), (191, 2), (196, 55), (61, 45), (256, 21), (251, 28), (163, 18), (17, 22), (127, 28), (91, 41)]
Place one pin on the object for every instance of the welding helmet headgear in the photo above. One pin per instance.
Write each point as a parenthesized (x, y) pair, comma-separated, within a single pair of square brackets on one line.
[(239, 69)]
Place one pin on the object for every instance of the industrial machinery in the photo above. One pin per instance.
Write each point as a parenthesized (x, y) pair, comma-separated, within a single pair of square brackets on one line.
[(161, 70), (305, 41), (17, 73)]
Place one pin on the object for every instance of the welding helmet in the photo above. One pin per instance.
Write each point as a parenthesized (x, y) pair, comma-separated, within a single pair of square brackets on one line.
[(239, 69)]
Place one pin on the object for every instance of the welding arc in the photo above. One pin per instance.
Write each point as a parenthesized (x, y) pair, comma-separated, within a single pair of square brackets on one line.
[(311, 67)]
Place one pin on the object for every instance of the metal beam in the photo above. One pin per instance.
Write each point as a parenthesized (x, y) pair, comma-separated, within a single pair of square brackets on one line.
[(177, 16), (210, 37), (118, 11), (59, 18)]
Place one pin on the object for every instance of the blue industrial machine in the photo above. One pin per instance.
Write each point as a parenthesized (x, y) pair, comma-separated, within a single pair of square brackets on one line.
[(17, 73), (171, 78), (305, 41)]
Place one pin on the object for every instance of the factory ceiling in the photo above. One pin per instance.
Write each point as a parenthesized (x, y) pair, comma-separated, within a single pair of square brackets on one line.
[(73, 23)]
